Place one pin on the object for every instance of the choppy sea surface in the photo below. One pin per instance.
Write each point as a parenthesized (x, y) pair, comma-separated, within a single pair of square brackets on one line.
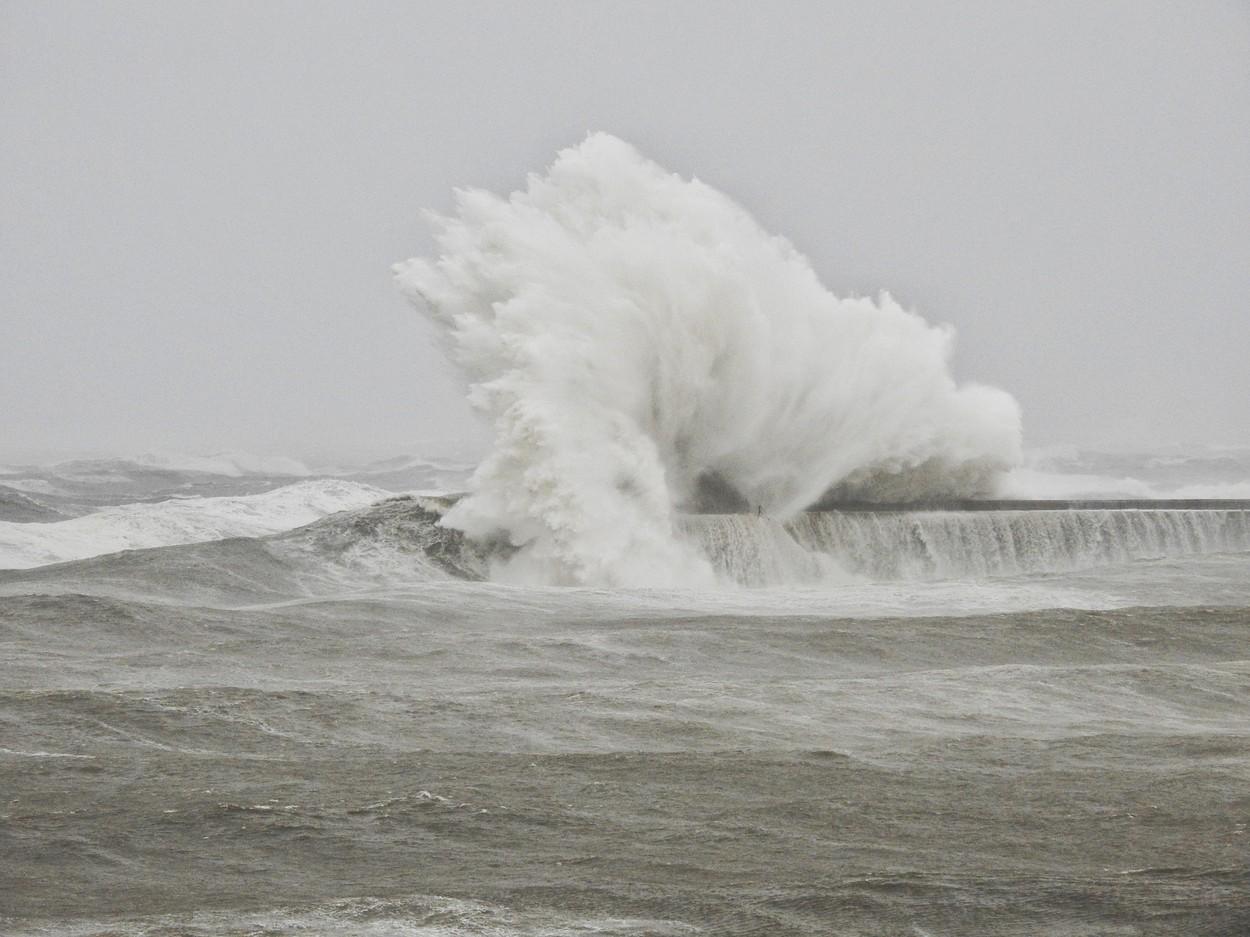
[(897, 723)]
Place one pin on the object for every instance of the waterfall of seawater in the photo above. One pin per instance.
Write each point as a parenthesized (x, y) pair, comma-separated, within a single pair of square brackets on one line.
[(828, 545)]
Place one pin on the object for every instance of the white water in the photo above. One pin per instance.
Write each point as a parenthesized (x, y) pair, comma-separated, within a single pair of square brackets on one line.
[(629, 332), (179, 520), (1068, 472), (834, 547), (230, 464), (1029, 483)]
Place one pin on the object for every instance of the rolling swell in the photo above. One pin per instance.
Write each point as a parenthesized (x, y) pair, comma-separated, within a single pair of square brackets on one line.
[(1039, 772), (393, 542)]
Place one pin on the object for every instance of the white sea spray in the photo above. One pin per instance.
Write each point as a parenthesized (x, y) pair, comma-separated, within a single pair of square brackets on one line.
[(632, 334)]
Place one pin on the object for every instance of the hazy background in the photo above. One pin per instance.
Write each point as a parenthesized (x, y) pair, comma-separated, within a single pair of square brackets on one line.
[(200, 202)]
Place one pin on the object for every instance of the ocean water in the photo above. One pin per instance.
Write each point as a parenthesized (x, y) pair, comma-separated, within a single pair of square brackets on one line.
[(874, 723), (624, 683)]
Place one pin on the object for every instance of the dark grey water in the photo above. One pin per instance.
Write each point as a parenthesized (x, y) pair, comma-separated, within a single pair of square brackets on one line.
[(334, 732)]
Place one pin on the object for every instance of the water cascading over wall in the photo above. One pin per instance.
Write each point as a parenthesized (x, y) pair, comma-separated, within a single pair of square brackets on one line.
[(825, 546)]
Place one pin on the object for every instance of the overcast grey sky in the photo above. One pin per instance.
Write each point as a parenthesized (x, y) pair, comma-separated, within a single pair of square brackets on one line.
[(201, 201)]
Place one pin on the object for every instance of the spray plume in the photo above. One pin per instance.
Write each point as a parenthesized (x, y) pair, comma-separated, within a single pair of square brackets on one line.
[(639, 341)]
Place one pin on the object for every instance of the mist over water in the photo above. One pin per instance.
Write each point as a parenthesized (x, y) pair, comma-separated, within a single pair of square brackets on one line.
[(638, 341)]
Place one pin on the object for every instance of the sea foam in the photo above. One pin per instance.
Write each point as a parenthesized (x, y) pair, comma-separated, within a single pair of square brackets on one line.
[(179, 520), (639, 341)]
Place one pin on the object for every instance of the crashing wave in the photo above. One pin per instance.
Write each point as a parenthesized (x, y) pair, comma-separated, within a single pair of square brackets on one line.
[(638, 341)]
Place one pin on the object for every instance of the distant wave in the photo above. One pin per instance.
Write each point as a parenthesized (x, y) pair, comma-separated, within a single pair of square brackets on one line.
[(638, 340), (177, 521), (1066, 472), (232, 464), (1035, 483)]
